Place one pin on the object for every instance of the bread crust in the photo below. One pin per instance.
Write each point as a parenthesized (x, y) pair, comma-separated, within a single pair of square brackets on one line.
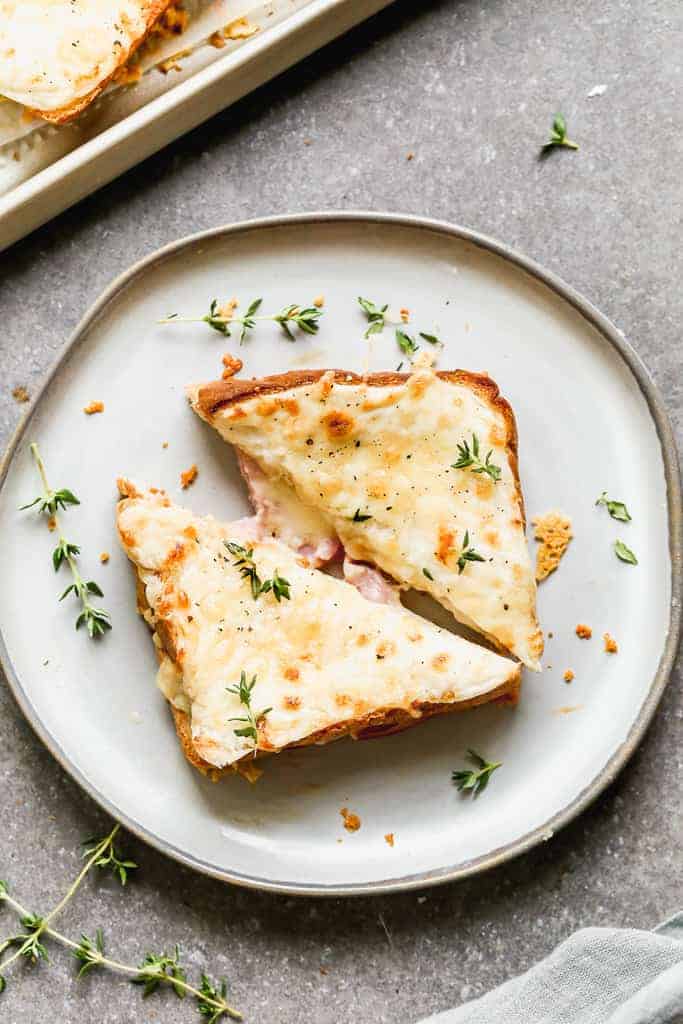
[(61, 115), (375, 725), (212, 397)]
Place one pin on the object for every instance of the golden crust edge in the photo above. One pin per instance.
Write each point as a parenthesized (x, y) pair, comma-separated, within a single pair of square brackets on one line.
[(62, 115)]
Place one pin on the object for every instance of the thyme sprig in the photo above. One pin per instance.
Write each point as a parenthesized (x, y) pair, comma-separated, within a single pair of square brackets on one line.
[(154, 972), (95, 620), (251, 718), (467, 554), (476, 781), (244, 561), (406, 344), (558, 135), (306, 318), (468, 458)]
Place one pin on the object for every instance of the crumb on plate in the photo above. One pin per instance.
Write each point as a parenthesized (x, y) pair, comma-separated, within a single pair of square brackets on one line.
[(227, 309), (188, 477), (568, 676), (351, 821), (52, 523), (404, 314), (554, 531), (231, 366), (611, 646), (164, 444), (389, 838), (20, 394), (567, 709), (104, 557), (410, 155), (583, 631), (92, 407), (319, 301)]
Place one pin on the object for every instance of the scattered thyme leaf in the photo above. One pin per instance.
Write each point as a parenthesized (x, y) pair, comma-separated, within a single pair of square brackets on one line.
[(467, 554), (406, 344), (469, 459), (431, 338), (243, 690), (376, 315), (475, 780), (624, 554), (616, 509), (558, 135)]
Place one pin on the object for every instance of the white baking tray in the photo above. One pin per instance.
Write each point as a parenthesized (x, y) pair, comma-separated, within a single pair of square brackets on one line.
[(115, 139)]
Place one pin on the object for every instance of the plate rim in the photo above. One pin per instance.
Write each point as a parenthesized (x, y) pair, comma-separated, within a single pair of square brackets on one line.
[(660, 416)]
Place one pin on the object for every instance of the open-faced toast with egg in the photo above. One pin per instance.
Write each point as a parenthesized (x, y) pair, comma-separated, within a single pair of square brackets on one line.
[(412, 475), (259, 652), (57, 57)]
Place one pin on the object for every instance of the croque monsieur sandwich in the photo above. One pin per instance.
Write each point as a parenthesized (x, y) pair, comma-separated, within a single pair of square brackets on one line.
[(259, 651), (414, 478), (56, 56)]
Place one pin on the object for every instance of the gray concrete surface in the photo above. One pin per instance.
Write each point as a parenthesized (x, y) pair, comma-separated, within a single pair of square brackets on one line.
[(470, 88)]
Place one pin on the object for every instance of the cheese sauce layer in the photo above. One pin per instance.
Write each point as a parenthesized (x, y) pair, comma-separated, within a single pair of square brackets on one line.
[(324, 657), (377, 461)]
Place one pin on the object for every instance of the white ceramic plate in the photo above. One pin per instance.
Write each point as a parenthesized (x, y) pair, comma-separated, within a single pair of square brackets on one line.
[(589, 420)]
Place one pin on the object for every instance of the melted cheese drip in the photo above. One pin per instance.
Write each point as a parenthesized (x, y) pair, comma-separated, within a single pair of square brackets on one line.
[(324, 657)]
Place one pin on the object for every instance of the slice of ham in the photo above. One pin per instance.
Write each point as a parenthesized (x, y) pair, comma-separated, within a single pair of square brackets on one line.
[(371, 583), (279, 513)]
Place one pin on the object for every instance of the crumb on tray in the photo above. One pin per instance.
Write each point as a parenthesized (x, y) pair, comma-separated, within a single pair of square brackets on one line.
[(611, 646), (319, 301), (568, 676), (104, 557), (389, 839), (583, 631), (20, 394), (231, 366)]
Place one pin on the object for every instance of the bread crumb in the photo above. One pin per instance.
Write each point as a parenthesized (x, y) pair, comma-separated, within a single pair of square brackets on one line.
[(188, 477), (554, 531), (611, 646), (410, 155), (104, 557), (20, 394), (307, 142), (164, 444), (93, 407), (404, 314), (583, 631), (242, 28), (319, 301), (52, 523), (568, 676), (351, 821), (228, 309), (389, 838), (567, 709), (217, 39), (232, 365), (172, 62)]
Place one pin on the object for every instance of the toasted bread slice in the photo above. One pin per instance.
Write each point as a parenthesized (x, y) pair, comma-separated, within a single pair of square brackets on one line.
[(375, 458), (57, 57), (326, 661)]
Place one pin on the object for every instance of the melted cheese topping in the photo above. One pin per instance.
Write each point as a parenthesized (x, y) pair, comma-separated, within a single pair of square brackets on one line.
[(324, 657), (54, 52), (387, 452)]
